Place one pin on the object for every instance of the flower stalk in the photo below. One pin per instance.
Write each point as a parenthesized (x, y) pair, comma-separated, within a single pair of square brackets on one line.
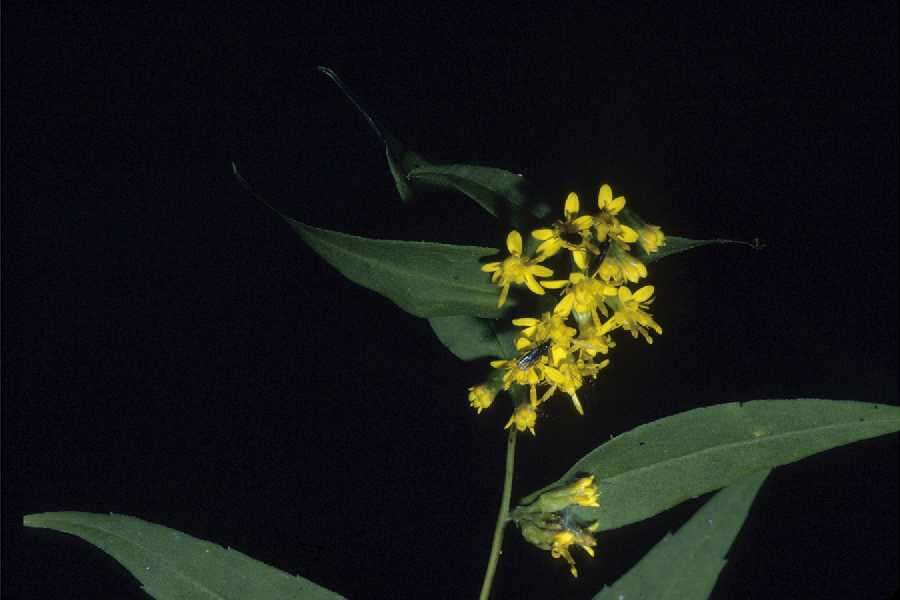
[(502, 516)]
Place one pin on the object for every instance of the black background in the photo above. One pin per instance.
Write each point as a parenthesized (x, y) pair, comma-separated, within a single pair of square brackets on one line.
[(172, 351)]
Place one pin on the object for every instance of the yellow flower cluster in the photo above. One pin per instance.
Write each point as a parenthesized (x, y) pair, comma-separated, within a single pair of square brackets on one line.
[(595, 297), (548, 523)]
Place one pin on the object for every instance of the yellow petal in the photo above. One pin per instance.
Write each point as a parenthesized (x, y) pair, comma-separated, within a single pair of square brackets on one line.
[(616, 205), (548, 248), (577, 404), (542, 234), (554, 284), (627, 234), (514, 243), (572, 204), (490, 267), (525, 321), (504, 291), (643, 294), (624, 294), (580, 258), (522, 343), (498, 363), (533, 285), (564, 307), (604, 197), (541, 271), (583, 222)]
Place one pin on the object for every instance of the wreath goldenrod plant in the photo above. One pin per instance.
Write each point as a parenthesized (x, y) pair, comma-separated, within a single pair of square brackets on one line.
[(547, 312)]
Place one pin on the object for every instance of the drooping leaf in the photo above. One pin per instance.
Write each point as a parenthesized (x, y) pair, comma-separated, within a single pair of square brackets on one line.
[(173, 565), (505, 195), (470, 337), (685, 566), (676, 245), (658, 465), (502, 193), (401, 160), (424, 279)]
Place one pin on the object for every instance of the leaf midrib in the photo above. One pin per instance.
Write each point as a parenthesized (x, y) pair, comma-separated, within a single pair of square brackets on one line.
[(717, 448), (392, 268)]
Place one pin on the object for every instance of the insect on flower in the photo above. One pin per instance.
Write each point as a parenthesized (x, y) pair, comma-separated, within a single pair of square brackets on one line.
[(527, 360)]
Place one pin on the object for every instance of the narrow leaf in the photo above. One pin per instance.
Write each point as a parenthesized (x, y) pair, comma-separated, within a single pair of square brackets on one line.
[(470, 338), (658, 465), (505, 195), (173, 565), (424, 279), (401, 160), (676, 245), (685, 566)]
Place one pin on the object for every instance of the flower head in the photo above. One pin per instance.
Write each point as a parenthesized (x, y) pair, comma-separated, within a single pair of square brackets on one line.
[(572, 233), (516, 269), (481, 397), (524, 417), (631, 313)]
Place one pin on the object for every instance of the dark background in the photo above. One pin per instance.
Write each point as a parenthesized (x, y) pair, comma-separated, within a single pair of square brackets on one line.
[(172, 351)]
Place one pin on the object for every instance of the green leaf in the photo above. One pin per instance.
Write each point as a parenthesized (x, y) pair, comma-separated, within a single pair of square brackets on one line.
[(424, 279), (173, 565), (502, 193), (470, 338), (505, 195), (685, 566), (401, 160), (675, 245), (658, 465)]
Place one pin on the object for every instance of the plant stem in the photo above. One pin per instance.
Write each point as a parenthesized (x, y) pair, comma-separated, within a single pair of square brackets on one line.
[(502, 518)]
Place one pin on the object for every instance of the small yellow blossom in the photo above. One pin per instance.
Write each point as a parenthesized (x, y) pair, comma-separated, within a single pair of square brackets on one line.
[(564, 539), (631, 315), (607, 223), (524, 417), (651, 238), (516, 269), (481, 397), (571, 233), (569, 377), (583, 295), (620, 266)]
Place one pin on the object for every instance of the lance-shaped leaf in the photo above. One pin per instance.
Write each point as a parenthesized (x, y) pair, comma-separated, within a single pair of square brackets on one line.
[(470, 338), (658, 465), (505, 195), (502, 193), (424, 279), (676, 245), (171, 564), (685, 566)]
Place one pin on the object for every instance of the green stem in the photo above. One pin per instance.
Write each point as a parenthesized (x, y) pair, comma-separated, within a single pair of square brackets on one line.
[(502, 518)]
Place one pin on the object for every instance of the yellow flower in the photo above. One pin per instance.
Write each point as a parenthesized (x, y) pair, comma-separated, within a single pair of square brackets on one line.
[(620, 266), (631, 315), (516, 269), (583, 295), (569, 377), (524, 417), (585, 492), (590, 342), (607, 223), (566, 538), (550, 327), (571, 233), (481, 397), (651, 238)]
